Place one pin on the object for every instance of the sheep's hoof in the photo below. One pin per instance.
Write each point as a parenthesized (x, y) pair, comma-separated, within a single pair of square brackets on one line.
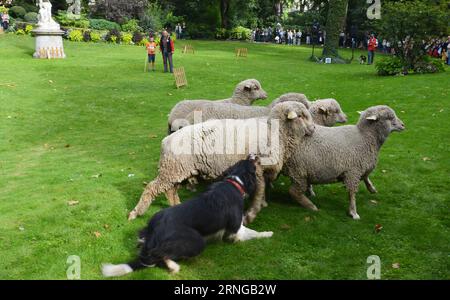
[(249, 217), (355, 216), (132, 215), (264, 204), (373, 190)]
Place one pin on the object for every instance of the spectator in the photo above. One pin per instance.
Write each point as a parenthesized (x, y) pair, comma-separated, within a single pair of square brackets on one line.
[(342, 39), (151, 51), (178, 31), (5, 20), (372, 45), (447, 44), (299, 37), (183, 30), (167, 49), (308, 38), (290, 37)]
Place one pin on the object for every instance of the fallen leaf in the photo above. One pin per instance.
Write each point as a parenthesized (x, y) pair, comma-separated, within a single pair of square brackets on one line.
[(72, 202), (169, 94), (97, 234), (285, 226), (426, 159), (307, 218), (21, 228), (396, 266), (67, 146), (130, 175), (50, 81), (441, 110), (383, 171), (374, 202), (378, 228), (97, 175), (153, 136), (106, 226)]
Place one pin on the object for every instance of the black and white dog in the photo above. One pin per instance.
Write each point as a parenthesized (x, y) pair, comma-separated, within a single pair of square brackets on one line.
[(181, 231), (362, 59)]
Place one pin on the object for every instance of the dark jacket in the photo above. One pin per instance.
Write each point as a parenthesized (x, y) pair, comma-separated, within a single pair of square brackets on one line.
[(170, 45)]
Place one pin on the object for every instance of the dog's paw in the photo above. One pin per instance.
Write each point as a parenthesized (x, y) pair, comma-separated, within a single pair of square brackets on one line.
[(266, 234)]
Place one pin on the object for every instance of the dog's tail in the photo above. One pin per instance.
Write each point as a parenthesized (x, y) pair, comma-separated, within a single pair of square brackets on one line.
[(109, 270)]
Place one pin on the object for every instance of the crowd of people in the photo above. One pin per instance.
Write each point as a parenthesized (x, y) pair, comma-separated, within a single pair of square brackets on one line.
[(439, 48)]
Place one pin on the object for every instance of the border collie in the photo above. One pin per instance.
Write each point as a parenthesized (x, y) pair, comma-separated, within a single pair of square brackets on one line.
[(362, 59), (181, 231)]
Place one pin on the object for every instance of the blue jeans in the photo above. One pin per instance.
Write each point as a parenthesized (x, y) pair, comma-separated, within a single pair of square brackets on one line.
[(371, 56), (167, 57)]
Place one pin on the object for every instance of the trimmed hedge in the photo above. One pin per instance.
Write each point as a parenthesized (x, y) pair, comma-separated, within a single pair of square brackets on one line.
[(102, 24)]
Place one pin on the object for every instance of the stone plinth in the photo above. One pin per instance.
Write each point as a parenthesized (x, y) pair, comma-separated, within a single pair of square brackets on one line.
[(49, 43)]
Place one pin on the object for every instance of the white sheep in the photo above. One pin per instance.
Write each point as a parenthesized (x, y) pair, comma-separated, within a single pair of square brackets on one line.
[(347, 154), (287, 123), (245, 93)]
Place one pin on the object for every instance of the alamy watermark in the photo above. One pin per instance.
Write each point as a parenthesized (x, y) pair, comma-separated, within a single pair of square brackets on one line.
[(374, 10), (374, 270), (73, 272)]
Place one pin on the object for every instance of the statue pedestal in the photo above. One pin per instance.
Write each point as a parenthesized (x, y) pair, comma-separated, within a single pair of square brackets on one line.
[(49, 43)]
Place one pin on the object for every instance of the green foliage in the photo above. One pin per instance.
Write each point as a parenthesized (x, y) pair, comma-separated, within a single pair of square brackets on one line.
[(152, 19), (240, 33), (75, 35), (87, 36), (113, 36), (67, 20), (28, 28), (31, 17), (131, 26), (429, 65), (17, 12), (29, 5), (389, 65), (102, 24), (20, 32), (407, 23), (127, 38), (3, 9), (143, 42), (137, 37), (95, 37)]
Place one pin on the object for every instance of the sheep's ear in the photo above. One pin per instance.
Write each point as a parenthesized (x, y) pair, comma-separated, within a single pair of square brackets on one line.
[(372, 118), (323, 110), (292, 115), (248, 87)]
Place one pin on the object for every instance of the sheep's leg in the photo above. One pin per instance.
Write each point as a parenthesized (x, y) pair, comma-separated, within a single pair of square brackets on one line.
[(172, 196), (369, 185), (258, 200), (352, 187), (311, 190), (297, 191), (152, 190), (192, 182)]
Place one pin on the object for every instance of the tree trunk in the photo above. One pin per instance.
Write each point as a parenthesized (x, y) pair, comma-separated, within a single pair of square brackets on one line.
[(337, 13), (224, 9)]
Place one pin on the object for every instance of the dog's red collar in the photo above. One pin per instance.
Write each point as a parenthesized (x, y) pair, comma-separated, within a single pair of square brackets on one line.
[(236, 185)]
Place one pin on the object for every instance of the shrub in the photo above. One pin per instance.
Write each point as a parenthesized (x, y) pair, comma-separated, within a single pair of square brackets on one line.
[(28, 28), (3, 9), (102, 24), (428, 65), (20, 32), (222, 34), (76, 35), (127, 38), (87, 36), (137, 37), (95, 37), (390, 65), (31, 17), (143, 42), (151, 21), (113, 36), (131, 26), (241, 33), (17, 12)]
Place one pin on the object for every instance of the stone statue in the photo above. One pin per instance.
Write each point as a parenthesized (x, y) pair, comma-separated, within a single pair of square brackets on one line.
[(75, 7), (45, 20)]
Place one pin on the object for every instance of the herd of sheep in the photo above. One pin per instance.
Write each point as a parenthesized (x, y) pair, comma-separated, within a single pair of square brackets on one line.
[(306, 147)]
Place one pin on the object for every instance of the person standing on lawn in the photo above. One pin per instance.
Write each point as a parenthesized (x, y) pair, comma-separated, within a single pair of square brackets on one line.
[(167, 49), (151, 51), (371, 47), (5, 20)]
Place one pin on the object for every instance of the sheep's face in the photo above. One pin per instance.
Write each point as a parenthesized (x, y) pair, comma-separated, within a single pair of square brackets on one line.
[(294, 116), (383, 118), (250, 89), (329, 113), (178, 124)]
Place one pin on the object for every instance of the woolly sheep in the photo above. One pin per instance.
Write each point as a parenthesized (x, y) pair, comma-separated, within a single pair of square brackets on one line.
[(295, 122), (327, 112), (212, 111), (347, 154), (244, 94)]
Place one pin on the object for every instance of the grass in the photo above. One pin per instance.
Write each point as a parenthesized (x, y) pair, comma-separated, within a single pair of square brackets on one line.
[(65, 122)]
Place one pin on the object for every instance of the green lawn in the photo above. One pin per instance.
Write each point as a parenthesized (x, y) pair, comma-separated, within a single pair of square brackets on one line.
[(64, 122)]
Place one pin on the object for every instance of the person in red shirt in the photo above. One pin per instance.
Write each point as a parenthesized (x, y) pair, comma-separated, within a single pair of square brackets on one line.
[(151, 50), (372, 46)]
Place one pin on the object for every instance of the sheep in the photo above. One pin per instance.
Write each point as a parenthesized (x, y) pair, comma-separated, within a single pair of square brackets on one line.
[(175, 167), (345, 154), (212, 111), (244, 94), (327, 112)]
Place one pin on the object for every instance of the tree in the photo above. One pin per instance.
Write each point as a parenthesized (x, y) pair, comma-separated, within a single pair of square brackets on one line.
[(407, 25), (337, 13)]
